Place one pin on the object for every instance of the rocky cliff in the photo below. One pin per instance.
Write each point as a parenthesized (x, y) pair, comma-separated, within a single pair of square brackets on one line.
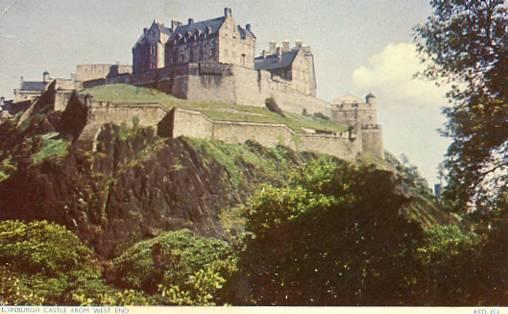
[(132, 184)]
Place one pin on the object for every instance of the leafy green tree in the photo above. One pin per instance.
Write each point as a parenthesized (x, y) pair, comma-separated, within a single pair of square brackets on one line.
[(449, 267), (176, 268), (333, 236), (464, 43), (45, 264)]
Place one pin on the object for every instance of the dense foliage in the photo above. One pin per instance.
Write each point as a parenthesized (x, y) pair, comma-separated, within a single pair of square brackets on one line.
[(177, 267), (465, 44), (43, 263), (332, 236)]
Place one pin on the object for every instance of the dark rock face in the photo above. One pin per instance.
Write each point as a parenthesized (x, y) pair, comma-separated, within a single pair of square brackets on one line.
[(126, 190)]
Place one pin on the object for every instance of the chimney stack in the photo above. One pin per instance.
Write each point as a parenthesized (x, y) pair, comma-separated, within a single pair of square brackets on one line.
[(247, 26), (175, 24), (191, 21), (45, 76), (2, 102), (285, 46), (272, 47), (298, 44), (279, 51), (228, 12)]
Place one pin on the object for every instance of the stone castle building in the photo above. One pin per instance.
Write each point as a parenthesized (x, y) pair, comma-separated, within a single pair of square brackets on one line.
[(290, 64), (149, 50), (214, 40), (29, 90), (220, 40), (214, 60)]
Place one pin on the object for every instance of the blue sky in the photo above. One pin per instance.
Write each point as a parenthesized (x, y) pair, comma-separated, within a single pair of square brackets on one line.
[(360, 46)]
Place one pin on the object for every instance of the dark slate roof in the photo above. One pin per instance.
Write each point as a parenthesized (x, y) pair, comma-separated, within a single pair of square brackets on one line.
[(163, 28), (273, 62), (33, 86), (244, 32), (15, 107), (214, 24)]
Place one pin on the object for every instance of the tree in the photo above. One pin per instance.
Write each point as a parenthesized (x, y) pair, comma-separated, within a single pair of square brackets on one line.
[(465, 44), (333, 236)]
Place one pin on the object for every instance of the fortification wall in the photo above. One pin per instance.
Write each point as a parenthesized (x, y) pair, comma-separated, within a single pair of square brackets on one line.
[(209, 81), (192, 124), (253, 87), (99, 113), (106, 112), (372, 141), (195, 124), (245, 86), (87, 72)]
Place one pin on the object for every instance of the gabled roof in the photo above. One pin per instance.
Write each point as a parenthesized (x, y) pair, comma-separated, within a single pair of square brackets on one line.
[(33, 86), (161, 27), (244, 32), (272, 62), (213, 25)]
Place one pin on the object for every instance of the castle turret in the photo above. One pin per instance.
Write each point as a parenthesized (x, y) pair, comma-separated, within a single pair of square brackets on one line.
[(228, 12), (370, 99)]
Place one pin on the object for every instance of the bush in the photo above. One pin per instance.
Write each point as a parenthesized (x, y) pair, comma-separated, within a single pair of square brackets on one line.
[(181, 267), (41, 263), (321, 116), (271, 105)]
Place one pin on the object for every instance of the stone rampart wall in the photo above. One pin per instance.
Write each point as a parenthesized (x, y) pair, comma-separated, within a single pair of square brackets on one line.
[(195, 124), (99, 113), (223, 83)]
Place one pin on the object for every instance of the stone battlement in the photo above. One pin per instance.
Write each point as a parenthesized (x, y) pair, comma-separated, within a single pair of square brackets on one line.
[(174, 122)]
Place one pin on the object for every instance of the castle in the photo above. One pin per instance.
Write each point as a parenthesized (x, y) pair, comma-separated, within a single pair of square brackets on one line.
[(214, 60)]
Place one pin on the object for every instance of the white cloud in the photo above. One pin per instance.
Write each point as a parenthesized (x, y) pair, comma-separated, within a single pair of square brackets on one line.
[(408, 108), (391, 74)]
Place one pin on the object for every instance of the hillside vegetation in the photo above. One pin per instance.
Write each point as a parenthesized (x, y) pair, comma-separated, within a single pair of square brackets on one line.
[(123, 93)]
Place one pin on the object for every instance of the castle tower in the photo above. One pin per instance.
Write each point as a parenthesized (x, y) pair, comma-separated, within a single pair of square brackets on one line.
[(354, 112)]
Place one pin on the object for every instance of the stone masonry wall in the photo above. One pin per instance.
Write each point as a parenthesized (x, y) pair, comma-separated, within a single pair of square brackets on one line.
[(372, 141), (195, 124), (99, 113), (250, 87), (223, 83)]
